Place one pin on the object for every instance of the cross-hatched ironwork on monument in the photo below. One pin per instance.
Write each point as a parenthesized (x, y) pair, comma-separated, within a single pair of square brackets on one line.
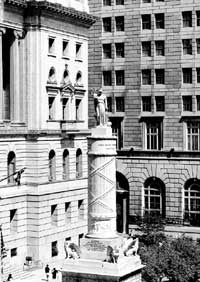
[(99, 171)]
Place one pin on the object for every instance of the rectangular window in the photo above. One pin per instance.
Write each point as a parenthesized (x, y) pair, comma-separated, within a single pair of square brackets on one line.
[(119, 74), (13, 221), (109, 104), (146, 77), (119, 2), (51, 45), (65, 48), (146, 1), (78, 51), (106, 24), (107, 78), (67, 212), (198, 45), (187, 19), (51, 108), (187, 103), (78, 109), (119, 104), (187, 46), (119, 22), (154, 135), (160, 76), (160, 48), (64, 109), (198, 75), (160, 103), (117, 130), (106, 2), (193, 136), (198, 102), (107, 51), (146, 21), (54, 215), (119, 49), (160, 21), (13, 252), (81, 209), (54, 249), (160, 0), (198, 18), (187, 75), (146, 49), (80, 236), (146, 103), (153, 199)]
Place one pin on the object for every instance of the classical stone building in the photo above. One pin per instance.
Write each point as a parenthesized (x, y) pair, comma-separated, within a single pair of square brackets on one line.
[(146, 56), (43, 126)]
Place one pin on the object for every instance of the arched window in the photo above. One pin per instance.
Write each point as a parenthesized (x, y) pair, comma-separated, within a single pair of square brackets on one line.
[(79, 78), (52, 75), (52, 165), (154, 197), (78, 163), (66, 164), (11, 162), (66, 79), (192, 201)]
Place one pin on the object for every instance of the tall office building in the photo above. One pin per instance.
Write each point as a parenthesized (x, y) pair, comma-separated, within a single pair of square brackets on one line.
[(146, 56), (43, 127)]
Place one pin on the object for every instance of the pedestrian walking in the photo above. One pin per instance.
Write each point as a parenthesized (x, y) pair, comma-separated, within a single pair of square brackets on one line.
[(10, 278), (47, 270), (54, 273)]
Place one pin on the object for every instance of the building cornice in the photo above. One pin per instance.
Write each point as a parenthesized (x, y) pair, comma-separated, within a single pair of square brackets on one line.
[(171, 154), (57, 9)]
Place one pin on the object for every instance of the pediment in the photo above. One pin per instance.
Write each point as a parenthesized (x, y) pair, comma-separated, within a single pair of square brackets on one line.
[(68, 88)]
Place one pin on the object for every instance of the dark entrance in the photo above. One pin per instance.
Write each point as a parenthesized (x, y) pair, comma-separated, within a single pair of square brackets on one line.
[(122, 203)]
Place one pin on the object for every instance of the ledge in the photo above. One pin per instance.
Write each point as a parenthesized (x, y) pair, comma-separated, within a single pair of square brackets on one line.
[(170, 154), (58, 9)]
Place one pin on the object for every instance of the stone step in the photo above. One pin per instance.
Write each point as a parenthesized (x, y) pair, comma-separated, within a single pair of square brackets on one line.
[(17, 272)]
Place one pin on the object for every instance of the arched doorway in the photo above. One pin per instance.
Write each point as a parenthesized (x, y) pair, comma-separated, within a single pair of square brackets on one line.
[(122, 204)]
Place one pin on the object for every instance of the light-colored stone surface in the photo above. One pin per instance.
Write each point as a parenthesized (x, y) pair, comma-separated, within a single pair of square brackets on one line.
[(127, 269), (101, 183)]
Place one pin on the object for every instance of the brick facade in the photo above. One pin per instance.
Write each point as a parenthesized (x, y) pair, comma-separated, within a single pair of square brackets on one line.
[(153, 75)]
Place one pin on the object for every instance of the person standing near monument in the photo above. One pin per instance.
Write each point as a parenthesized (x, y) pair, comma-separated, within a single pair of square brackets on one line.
[(47, 270), (100, 104)]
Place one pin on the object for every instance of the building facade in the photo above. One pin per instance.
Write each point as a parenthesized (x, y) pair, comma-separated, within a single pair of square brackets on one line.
[(146, 56), (43, 127)]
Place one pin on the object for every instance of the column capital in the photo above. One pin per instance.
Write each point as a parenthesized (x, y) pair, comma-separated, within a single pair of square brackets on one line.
[(2, 30), (19, 34)]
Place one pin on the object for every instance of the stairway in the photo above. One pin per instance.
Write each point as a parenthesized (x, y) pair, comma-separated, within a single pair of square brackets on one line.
[(17, 272)]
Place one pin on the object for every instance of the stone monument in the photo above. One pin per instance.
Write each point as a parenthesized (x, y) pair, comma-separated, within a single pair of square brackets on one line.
[(105, 254)]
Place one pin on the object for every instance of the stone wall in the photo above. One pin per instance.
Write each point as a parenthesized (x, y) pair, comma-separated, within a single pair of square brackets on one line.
[(173, 172)]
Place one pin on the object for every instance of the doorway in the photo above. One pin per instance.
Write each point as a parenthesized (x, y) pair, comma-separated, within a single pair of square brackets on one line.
[(122, 203)]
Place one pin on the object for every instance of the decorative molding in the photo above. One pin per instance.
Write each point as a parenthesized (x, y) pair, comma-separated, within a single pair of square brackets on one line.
[(2, 30), (41, 6), (19, 34)]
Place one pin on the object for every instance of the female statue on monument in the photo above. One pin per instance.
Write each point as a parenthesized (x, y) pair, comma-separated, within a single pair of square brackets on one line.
[(100, 104)]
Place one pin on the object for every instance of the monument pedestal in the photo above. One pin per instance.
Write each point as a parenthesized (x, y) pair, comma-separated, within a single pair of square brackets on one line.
[(91, 267), (128, 269)]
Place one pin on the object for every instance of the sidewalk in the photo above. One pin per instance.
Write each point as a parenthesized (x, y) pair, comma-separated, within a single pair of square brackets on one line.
[(38, 275)]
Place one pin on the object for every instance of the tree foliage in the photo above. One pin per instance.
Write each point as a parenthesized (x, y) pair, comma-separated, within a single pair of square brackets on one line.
[(177, 259)]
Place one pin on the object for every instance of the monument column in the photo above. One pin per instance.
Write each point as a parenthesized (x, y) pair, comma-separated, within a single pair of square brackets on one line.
[(102, 183)]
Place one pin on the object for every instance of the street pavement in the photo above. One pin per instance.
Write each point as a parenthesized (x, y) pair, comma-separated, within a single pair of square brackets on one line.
[(38, 275)]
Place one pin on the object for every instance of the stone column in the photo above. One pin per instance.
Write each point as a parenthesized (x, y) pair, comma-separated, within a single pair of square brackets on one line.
[(15, 77), (124, 215), (2, 31), (102, 184)]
